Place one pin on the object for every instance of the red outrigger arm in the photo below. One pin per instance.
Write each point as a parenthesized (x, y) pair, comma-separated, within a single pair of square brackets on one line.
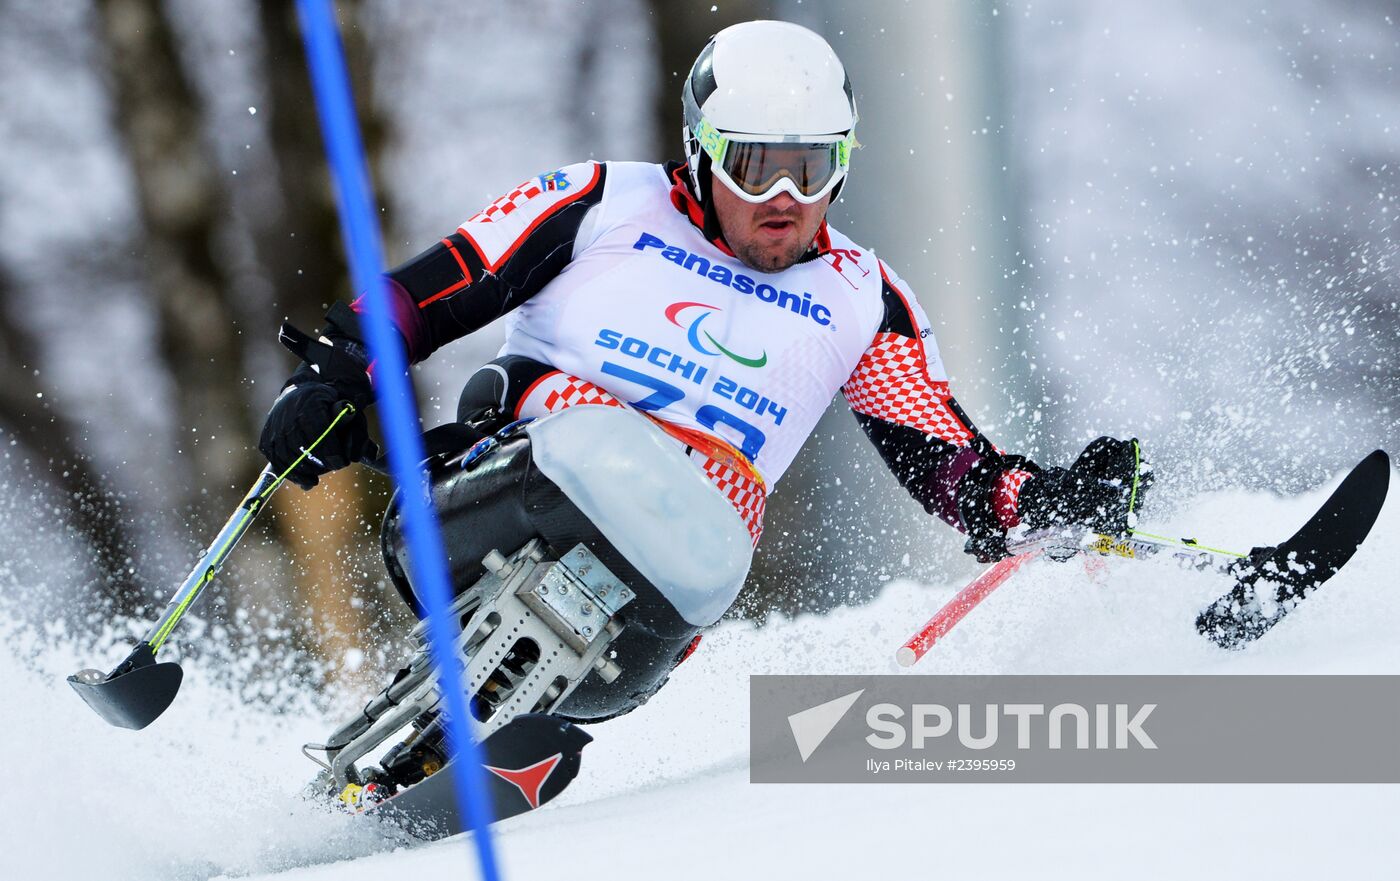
[(958, 607), (1283, 574)]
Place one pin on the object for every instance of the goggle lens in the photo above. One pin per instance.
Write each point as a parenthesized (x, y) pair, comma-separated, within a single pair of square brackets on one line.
[(756, 168)]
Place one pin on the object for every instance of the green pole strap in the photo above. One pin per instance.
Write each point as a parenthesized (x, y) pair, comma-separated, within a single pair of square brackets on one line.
[(347, 410), (228, 537), (1189, 543), (1137, 476)]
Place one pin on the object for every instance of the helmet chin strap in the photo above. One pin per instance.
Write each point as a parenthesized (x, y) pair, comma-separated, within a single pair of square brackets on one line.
[(712, 228)]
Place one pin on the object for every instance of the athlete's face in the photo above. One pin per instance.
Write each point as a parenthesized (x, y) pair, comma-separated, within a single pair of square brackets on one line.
[(768, 236)]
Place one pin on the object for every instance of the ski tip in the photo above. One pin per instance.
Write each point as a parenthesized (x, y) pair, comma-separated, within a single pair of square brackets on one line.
[(906, 657), (1373, 470)]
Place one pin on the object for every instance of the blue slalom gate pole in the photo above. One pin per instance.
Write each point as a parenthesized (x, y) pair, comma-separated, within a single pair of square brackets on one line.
[(336, 110)]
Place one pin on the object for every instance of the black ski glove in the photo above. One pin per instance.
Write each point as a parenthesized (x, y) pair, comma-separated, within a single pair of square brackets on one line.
[(986, 537), (333, 374), (1101, 491)]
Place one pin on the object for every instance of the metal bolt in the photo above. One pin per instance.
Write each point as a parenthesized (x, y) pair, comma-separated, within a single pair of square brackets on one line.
[(586, 609), (587, 631), (563, 589), (542, 590), (607, 669), (584, 569)]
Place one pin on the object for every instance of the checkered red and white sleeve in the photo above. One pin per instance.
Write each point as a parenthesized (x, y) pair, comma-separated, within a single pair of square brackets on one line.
[(900, 380), (892, 383)]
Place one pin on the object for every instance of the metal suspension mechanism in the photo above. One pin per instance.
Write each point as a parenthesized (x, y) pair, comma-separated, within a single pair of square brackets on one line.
[(532, 629)]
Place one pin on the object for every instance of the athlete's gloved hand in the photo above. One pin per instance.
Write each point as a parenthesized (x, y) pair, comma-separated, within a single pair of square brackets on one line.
[(333, 374), (1102, 491), (977, 490)]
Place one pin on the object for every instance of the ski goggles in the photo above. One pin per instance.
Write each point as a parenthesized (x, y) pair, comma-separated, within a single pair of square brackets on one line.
[(756, 167)]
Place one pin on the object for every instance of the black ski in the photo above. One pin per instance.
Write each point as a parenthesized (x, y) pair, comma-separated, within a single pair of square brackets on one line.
[(528, 761), (1272, 581)]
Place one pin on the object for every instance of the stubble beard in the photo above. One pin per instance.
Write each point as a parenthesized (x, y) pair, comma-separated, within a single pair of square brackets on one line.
[(751, 247), (769, 260)]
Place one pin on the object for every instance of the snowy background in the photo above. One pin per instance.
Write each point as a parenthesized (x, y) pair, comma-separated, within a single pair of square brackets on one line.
[(1168, 220), (209, 790)]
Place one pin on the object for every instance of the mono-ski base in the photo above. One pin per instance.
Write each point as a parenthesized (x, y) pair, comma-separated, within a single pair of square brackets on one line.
[(526, 763)]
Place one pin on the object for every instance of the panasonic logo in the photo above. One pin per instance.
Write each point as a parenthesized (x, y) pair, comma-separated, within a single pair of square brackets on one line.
[(798, 304)]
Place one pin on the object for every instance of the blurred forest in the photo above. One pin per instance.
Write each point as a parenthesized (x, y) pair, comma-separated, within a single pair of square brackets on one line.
[(1177, 225), (167, 204)]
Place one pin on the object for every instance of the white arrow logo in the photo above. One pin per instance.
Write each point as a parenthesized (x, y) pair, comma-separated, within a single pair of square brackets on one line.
[(810, 727)]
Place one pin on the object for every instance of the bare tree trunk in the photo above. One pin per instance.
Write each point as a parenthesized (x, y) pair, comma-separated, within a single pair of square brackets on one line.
[(303, 253), (301, 250), (27, 416), (181, 207), (324, 530)]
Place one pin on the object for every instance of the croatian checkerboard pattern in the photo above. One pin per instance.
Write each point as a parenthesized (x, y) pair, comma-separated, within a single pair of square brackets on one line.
[(508, 203), (891, 382), (1006, 494), (742, 491), (566, 391)]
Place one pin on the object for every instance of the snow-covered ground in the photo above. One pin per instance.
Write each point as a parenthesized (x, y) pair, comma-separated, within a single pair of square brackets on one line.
[(209, 790)]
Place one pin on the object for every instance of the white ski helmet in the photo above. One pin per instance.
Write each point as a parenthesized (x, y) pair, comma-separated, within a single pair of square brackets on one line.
[(768, 107)]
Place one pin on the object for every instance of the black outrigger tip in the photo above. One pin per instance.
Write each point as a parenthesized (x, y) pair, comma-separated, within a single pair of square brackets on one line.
[(135, 693), (1291, 571)]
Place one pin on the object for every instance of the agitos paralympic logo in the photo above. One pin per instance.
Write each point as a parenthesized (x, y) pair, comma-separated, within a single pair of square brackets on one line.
[(693, 331)]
